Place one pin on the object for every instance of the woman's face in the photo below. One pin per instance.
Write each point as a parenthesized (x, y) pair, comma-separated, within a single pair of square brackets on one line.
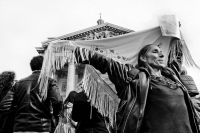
[(154, 57)]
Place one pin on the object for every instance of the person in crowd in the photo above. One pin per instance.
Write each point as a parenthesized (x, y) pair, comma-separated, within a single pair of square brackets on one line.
[(33, 112), (188, 81), (88, 118), (6, 114), (153, 99), (66, 122)]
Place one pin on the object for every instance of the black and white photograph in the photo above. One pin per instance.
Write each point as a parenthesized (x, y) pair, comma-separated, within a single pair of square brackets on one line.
[(109, 66)]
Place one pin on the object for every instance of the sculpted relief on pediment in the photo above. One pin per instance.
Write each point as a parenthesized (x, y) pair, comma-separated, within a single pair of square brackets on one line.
[(94, 35)]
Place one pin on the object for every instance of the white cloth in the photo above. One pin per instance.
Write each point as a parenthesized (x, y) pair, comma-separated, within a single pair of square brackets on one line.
[(123, 48), (128, 45), (169, 25)]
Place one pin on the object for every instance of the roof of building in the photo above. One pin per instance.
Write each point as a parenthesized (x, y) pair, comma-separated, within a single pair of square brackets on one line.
[(87, 30), (82, 33)]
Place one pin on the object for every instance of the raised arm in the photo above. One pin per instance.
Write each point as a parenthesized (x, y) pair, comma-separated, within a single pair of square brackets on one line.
[(117, 72), (175, 57)]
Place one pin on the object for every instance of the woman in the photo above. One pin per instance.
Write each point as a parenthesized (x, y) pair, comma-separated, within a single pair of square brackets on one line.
[(153, 100), (6, 116), (168, 104)]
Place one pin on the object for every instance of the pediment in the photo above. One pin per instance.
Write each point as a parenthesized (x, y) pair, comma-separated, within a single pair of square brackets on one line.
[(101, 31), (96, 32)]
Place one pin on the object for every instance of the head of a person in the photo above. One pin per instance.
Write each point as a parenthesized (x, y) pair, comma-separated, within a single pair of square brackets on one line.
[(151, 55), (6, 79), (36, 63)]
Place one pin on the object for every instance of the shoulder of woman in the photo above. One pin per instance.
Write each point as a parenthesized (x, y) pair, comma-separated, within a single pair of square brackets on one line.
[(133, 73)]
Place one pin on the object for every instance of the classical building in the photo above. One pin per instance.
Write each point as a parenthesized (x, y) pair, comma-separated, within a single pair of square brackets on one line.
[(101, 30)]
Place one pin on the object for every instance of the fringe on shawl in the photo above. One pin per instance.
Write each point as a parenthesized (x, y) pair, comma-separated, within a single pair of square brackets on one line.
[(188, 57), (55, 57), (100, 94), (181, 47)]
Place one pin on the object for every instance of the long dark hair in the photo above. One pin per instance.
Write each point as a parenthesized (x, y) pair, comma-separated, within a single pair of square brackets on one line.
[(143, 52)]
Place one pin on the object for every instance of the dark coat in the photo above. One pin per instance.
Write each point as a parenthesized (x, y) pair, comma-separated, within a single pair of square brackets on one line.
[(32, 113), (6, 113), (88, 118), (132, 88)]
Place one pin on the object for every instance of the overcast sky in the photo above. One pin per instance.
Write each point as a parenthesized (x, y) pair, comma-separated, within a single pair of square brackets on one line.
[(24, 24)]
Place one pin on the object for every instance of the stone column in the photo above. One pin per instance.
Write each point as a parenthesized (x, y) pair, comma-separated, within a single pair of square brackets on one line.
[(70, 78), (55, 77)]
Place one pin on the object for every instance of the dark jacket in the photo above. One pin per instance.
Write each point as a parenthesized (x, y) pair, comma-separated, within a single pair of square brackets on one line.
[(132, 88), (89, 119), (6, 112), (32, 113)]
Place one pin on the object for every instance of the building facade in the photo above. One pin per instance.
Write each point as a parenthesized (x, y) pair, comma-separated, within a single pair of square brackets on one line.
[(100, 31)]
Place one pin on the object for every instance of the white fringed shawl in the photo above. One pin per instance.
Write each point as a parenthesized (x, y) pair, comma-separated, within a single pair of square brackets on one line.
[(128, 45)]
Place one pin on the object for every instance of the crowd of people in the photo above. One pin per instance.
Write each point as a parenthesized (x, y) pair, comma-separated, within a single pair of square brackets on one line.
[(31, 113), (154, 98)]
